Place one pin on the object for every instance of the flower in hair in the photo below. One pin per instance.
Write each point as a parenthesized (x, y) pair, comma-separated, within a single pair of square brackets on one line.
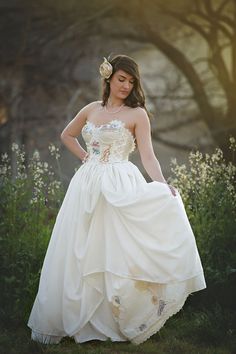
[(105, 69)]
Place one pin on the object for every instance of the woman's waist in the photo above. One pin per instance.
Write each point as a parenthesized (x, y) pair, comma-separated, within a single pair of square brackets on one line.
[(99, 159), (107, 154)]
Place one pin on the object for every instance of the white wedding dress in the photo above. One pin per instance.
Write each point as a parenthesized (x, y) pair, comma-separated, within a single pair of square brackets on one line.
[(122, 257)]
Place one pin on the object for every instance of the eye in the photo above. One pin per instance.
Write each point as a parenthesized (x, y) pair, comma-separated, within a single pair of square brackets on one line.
[(132, 83)]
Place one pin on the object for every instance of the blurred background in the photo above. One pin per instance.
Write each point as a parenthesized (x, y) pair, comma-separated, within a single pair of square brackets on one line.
[(50, 52)]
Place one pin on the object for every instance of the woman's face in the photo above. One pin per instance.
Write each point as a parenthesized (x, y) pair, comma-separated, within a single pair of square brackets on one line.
[(121, 84)]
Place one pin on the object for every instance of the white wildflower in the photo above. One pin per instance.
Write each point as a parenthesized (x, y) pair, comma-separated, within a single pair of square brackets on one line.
[(14, 147), (52, 148), (3, 170), (4, 157), (54, 151), (36, 155), (232, 143)]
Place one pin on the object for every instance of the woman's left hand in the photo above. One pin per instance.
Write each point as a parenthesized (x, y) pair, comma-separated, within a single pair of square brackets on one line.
[(172, 189)]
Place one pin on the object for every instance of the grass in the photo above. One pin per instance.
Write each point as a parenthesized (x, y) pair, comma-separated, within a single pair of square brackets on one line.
[(208, 191), (187, 332)]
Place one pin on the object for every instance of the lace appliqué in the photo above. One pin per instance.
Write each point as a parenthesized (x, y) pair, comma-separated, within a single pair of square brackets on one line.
[(106, 154), (95, 147), (142, 327), (155, 294), (116, 307), (108, 143), (161, 307)]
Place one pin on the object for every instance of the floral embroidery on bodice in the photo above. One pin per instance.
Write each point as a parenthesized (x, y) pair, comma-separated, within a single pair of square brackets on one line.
[(109, 142)]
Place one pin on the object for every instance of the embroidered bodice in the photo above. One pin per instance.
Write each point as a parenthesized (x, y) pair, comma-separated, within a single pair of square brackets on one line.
[(109, 142)]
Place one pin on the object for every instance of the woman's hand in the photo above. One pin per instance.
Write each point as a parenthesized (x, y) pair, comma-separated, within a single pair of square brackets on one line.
[(172, 189)]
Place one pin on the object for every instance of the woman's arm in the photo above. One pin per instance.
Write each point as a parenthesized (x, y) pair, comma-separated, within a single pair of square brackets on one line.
[(145, 147), (73, 129)]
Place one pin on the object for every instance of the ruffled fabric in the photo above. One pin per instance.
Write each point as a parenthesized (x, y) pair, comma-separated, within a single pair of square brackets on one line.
[(121, 260)]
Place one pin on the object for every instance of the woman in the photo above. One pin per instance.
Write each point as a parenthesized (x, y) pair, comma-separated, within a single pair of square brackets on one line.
[(122, 257)]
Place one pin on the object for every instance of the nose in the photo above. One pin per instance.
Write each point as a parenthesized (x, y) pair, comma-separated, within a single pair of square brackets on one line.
[(126, 85)]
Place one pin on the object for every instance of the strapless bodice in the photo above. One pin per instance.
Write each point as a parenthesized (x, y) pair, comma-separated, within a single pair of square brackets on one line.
[(108, 143)]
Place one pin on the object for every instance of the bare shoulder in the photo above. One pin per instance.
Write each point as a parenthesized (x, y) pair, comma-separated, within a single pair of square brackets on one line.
[(141, 117), (75, 125), (86, 110), (140, 110), (91, 106)]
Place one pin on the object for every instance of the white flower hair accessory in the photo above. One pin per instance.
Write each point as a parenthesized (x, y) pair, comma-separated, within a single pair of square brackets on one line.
[(105, 69)]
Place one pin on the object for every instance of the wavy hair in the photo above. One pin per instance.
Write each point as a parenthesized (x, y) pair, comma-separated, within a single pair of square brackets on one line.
[(136, 97)]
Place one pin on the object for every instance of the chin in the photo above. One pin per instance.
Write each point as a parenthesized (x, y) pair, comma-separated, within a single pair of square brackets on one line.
[(124, 95)]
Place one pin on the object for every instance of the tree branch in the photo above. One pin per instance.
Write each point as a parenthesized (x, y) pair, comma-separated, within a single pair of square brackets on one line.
[(171, 97), (184, 20), (221, 6), (175, 145), (210, 37), (178, 125), (181, 61), (214, 21), (227, 20)]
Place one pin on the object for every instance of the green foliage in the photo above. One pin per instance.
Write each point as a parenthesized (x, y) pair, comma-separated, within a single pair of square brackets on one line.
[(208, 191), (188, 332), (30, 197), (207, 326)]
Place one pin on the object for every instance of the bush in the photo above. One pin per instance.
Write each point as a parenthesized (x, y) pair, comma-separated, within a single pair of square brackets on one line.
[(208, 191), (215, 326), (30, 197)]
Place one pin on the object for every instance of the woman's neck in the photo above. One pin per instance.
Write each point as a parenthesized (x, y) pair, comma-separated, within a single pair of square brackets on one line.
[(114, 102)]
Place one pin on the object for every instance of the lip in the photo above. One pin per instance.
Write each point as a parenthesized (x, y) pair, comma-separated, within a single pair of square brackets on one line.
[(125, 92)]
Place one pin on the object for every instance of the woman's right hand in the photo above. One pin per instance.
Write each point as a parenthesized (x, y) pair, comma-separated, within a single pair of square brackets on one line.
[(85, 158)]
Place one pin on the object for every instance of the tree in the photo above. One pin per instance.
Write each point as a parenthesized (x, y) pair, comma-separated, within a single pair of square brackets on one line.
[(216, 24)]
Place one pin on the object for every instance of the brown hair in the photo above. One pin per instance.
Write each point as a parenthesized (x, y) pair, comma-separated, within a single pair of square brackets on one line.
[(136, 97)]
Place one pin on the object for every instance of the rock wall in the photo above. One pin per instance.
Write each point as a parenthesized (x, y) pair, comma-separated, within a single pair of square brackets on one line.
[(49, 71)]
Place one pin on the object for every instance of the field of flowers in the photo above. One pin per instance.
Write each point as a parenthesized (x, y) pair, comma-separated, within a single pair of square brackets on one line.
[(31, 193)]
